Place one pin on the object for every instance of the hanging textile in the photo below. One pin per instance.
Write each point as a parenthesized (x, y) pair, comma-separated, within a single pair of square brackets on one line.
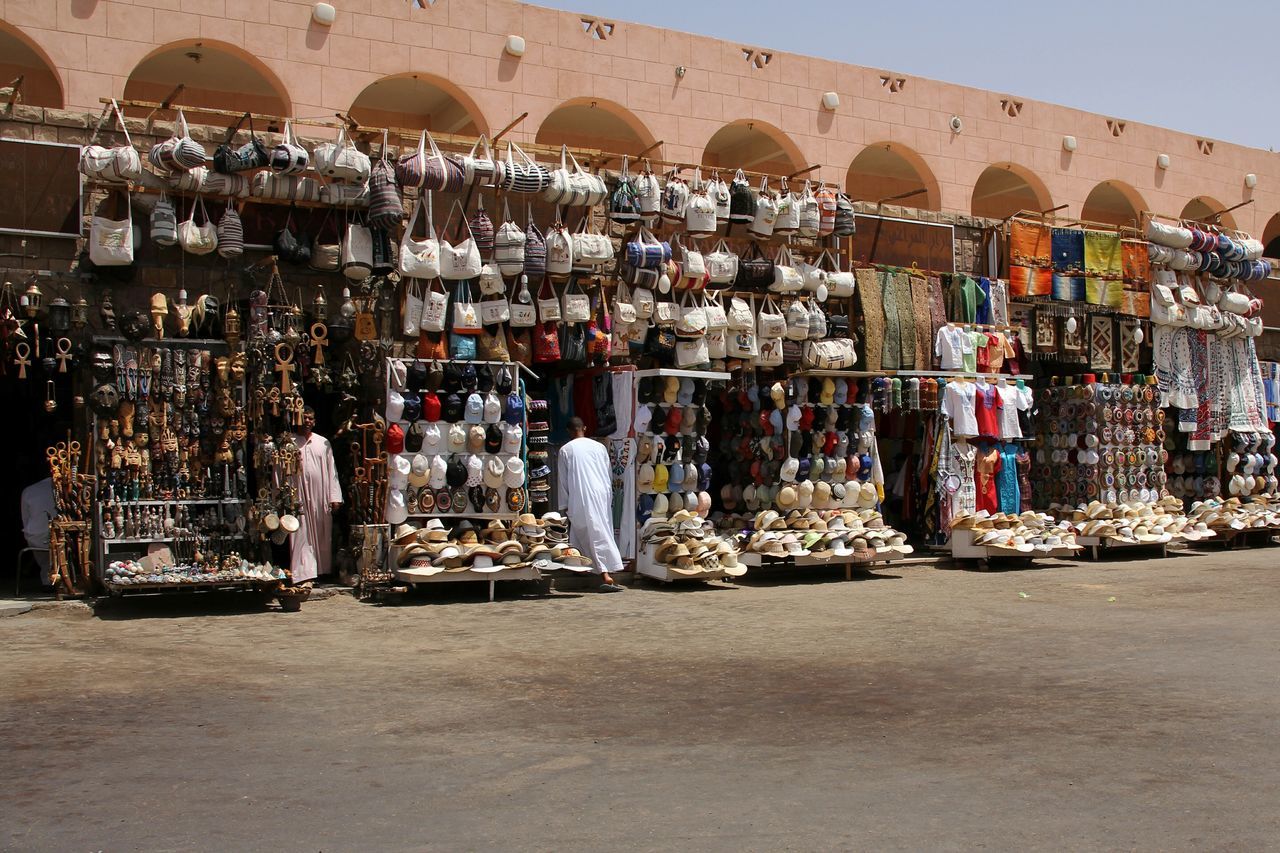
[(1105, 270), (1102, 355), (1068, 264), (1007, 479), (871, 299), (999, 302), (937, 307), (1135, 260), (899, 285), (921, 320), (1030, 259)]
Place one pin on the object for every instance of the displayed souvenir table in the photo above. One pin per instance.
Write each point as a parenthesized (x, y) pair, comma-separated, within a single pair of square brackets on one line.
[(984, 537)]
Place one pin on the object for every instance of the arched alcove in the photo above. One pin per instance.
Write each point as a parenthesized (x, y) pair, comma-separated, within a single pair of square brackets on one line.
[(1271, 237), (1114, 203), (889, 171), (1006, 188), (20, 57), (1206, 209), (417, 102), (596, 123), (213, 74), (755, 146)]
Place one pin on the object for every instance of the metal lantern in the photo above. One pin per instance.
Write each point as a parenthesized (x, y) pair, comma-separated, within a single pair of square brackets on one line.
[(59, 314), (32, 300), (80, 313), (320, 306)]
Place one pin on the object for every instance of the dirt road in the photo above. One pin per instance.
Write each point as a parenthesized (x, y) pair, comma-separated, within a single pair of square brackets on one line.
[(1114, 705)]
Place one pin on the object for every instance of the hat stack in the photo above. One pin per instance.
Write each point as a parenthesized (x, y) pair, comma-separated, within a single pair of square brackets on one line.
[(1134, 523), (1014, 535), (856, 533), (1224, 517), (487, 548), (687, 545), (539, 429), (673, 464)]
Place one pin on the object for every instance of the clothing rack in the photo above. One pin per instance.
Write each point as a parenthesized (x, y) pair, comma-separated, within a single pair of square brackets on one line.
[(939, 374)]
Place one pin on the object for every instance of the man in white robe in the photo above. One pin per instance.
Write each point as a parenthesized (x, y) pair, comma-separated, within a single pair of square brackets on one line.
[(320, 494), (586, 498)]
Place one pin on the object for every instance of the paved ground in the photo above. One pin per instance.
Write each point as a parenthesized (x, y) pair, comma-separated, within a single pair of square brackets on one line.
[(1123, 705)]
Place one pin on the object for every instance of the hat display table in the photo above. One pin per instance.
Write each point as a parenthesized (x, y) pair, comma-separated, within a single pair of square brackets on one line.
[(417, 576), (648, 566), (864, 558), (964, 547), (1098, 545)]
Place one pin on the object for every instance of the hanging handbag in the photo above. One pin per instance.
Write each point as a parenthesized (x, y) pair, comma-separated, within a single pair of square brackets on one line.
[(326, 248), (576, 187), (766, 212), (665, 313), (113, 165), (342, 161), (519, 347), (644, 302), (675, 198), (546, 344), (591, 249), (718, 192), (290, 247), (624, 313), (230, 233), (817, 321), (693, 269), (479, 170), (525, 175), (198, 239), (573, 345), (661, 343), (164, 222), (770, 322), (599, 339), (624, 202), (178, 153), (772, 352), (548, 304), (492, 346), (463, 347), (535, 248), (755, 271), (810, 214), (787, 220), (742, 201), (846, 222), (431, 347), (740, 316), (717, 320), (692, 320), (343, 195), (786, 278), (252, 155), (491, 281), (288, 158), (357, 251), (575, 304), (740, 343), (281, 187), (466, 315), (411, 309), (216, 183), (840, 283), (482, 227), (797, 320), (813, 275), (508, 244), (826, 198), (648, 194), (692, 352), (435, 308), (718, 343), (384, 252), (420, 258), (559, 250), (111, 240), (523, 312), (700, 210), (461, 260), (721, 264), (646, 251), (385, 208), (494, 311), (832, 354)]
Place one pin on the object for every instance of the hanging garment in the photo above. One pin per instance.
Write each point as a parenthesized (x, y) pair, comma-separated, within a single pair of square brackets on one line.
[(958, 405), (870, 294), (982, 310), (1103, 284), (1024, 478), (585, 481), (962, 299), (316, 485), (1010, 497), (1010, 401), (965, 498), (900, 287), (952, 346), (937, 307), (988, 407), (891, 351), (920, 320), (999, 302), (986, 466), (976, 357)]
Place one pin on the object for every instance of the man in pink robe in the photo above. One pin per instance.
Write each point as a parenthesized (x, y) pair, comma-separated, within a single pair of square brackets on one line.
[(320, 494)]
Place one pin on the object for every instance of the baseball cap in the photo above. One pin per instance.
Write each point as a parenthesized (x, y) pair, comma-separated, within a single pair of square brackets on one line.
[(475, 408), (492, 408)]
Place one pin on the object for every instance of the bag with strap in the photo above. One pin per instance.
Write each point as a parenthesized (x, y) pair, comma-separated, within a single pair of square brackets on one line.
[(846, 223), (591, 249), (576, 305), (717, 320), (810, 214), (252, 155), (463, 347), (576, 187), (523, 312), (198, 239), (718, 192), (766, 212), (178, 153), (535, 249), (770, 323), (494, 310), (524, 175), (645, 304), (519, 346), (491, 281), (831, 354), (326, 247), (111, 240), (573, 345), (755, 271), (508, 244), (357, 251), (691, 353), (113, 165), (826, 198), (288, 158), (814, 275), (164, 222), (692, 321), (291, 247), (693, 269), (661, 343), (840, 283), (459, 261), (718, 343), (665, 313), (624, 201), (624, 313), (478, 166), (216, 183), (786, 278), (342, 161), (787, 221), (742, 201), (435, 308), (675, 198), (740, 343), (546, 343), (648, 194), (700, 210), (284, 187), (230, 233), (721, 264), (482, 227), (548, 304), (420, 258), (740, 317), (385, 208), (559, 250), (646, 252), (466, 314), (492, 346), (797, 318), (772, 352)]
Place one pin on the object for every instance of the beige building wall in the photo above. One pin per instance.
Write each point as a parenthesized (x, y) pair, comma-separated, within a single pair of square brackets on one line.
[(94, 46)]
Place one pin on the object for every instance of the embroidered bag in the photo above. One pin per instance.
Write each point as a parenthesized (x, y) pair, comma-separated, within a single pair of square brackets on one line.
[(648, 194), (721, 264), (770, 322), (115, 165), (508, 244), (198, 239), (482, 227), (810, 214), (700, 210), (624, 202), (546, 344), (788, 216), (523, 312), (466, 315), (559, 250), (766, 212), (692, 321), (575, 304), (548, 304), (420, 258), (461, 260), (111, 240)]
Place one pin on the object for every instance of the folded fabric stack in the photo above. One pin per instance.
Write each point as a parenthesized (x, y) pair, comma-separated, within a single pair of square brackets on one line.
[(530, 542), (688, 545), (833, 533), (1135, 522), (1224, 516), (1026, 533), (232, 569), (539, 461)]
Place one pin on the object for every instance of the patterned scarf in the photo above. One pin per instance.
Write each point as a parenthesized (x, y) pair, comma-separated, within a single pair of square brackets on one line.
[(924, 328), (891, 351), (900, 286), (872, 316), (937, 307)]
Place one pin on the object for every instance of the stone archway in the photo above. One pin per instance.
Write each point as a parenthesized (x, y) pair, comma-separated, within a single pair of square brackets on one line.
[(753, 145), (596, 123), (1003, 189), (22, 59), (214, 74), (418, 102), (1113, 203), (1209, 210), (890, 171)]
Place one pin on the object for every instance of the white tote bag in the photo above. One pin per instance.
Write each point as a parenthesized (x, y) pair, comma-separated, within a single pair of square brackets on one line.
[(523, 312), (111, 240), (788, 219), (559, 250), (700, 210), (766, 212), (198, 239), (576, 304), (721, 264), (357, 251), (420, 258), (114, 165), (435, 308), (459, 261), (411, 310)]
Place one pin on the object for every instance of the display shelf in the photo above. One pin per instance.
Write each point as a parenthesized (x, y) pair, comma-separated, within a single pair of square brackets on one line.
[(419, 576), (145, 540), (1245, 537), (962, 548), (195, 586), (645, 565), (508, 516), (1098, 544), (683, 374), (863, 558), (184, 501)]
